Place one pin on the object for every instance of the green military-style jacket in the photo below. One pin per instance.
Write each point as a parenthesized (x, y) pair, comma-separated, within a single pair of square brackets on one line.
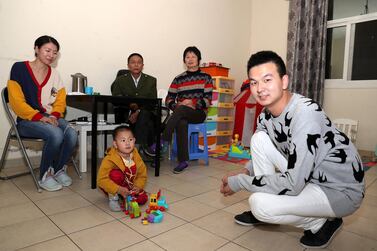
[(124, 86)]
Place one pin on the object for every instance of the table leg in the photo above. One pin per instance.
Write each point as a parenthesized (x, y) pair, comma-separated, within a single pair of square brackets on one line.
[(94, 145), (158, 139), (83, 142)]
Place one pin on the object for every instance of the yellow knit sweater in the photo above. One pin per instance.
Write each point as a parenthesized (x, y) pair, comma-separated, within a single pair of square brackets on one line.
[(113, 160)]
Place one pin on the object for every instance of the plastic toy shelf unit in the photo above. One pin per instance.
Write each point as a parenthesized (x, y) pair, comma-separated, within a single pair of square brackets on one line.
[(220, 116)]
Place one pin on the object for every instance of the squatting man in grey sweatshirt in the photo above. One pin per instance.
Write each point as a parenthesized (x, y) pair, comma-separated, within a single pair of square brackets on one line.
[(304, 172)]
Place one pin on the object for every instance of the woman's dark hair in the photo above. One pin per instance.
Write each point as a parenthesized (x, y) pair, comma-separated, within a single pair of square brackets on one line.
[(194, 50), (263, 57), (134, 54), (121, 128), (45, 40)]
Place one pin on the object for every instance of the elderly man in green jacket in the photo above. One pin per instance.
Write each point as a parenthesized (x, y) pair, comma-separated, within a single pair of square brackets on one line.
[(135, 84)]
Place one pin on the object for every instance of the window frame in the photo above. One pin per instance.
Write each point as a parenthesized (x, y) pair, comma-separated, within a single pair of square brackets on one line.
[(346, 81)]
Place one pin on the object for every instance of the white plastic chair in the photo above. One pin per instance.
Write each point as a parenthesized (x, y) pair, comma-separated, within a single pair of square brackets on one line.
[(348, 127), (162, 93)]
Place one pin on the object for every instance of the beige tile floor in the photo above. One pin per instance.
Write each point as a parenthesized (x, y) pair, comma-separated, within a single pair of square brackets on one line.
[(199, 218)]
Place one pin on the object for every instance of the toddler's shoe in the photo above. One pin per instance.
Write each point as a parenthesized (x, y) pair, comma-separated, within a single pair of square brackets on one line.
[(62, 177), (181, 167), (114, 203), (48, 183)]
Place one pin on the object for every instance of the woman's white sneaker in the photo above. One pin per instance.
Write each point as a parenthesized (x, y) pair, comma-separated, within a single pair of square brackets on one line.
[(62, 177), (50, 184)]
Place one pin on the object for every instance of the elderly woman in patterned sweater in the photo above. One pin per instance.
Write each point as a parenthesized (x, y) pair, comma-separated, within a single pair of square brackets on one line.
[(189, 97)]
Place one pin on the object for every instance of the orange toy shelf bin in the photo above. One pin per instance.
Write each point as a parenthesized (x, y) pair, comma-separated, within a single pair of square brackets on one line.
[(215, 70)]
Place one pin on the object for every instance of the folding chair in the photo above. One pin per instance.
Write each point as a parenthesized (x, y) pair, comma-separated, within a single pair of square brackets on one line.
[(348, 127), (14, 135)]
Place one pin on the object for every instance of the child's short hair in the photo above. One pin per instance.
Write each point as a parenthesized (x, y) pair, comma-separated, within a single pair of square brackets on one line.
[(121, 128)]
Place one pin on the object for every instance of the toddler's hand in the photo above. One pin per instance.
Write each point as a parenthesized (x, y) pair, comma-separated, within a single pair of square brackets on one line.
[(123, 191), (136, 190)]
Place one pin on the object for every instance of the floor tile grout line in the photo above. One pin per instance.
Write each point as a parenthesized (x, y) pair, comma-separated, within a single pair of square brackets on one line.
[(192, 222), (100, 224), (369, 185), (358, 234), (64, 234), (231, 242), (136, 243), (149, 238), (37, 243), (48, 216)]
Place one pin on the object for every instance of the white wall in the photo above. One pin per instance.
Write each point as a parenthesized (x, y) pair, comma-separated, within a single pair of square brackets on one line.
[(269, 26), (97, 36), (357, 104)]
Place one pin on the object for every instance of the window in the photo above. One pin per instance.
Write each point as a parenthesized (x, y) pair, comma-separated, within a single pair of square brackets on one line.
[(351, 50), (348, 8)]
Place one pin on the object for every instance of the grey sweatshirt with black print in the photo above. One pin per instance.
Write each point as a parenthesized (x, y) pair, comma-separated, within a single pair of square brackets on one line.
[(316, 152)]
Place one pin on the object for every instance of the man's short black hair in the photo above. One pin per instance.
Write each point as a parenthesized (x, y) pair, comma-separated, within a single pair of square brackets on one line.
[(263, 57), (121, 128), (134, 54), (194, 50)]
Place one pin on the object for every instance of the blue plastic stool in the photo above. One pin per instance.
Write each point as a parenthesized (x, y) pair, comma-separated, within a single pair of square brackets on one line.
[(193, 141)]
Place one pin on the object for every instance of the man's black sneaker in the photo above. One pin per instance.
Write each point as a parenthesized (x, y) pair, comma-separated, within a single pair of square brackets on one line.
[(323, 237), (247, 219)]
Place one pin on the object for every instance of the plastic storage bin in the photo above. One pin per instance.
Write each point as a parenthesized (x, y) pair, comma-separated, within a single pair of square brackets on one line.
[(215, 98), (211, 128), (223, 142), (224, 128), (224, 97), (224, 84), (220, 114), (211, 141), (212, 114), (215, 70)]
